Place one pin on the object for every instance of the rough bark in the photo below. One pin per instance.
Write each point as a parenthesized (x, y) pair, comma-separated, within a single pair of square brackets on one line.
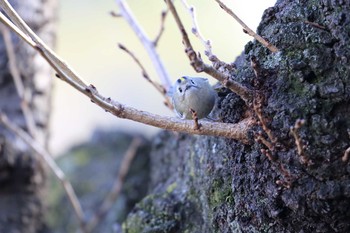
[(207, 184), (22, 176)]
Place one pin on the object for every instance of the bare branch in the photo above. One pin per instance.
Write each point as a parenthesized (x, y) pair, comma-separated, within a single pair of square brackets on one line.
[(316, 25), (27, 113), (259, 138), (195, 119), (162, 28), (247, 30), (199, 66), (216, 62), (37, 148), (298, 142), (147, 43), (346, 155), (156, 85), (196, 31), (257, 106), (12, 60), (14, 28), (116, 15), (117, 186), (267, 153)]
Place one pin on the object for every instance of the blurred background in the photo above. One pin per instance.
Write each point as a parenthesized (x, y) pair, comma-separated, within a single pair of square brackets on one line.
[(87, 40)]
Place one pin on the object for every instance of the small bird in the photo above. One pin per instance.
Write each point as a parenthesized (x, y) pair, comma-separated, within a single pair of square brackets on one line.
[(192, 93)]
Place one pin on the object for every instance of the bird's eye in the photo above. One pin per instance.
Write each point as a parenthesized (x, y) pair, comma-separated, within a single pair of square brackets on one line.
[(180, 89), (179, 80)]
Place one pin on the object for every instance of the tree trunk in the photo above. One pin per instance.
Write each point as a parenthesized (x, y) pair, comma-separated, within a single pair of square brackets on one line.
[(22, 175), (207, 184)]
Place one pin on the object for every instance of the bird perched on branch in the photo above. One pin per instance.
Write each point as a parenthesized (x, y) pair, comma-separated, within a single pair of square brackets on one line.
[(193, 94)]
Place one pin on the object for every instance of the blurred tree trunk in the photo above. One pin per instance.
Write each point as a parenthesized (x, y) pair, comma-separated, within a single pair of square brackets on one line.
[(22, 175)]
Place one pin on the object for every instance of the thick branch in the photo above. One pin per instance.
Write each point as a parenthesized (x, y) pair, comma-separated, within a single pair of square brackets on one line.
[(237, 131)]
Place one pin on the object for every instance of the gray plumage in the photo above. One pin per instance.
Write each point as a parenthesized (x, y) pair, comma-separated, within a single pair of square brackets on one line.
[(193, 93)]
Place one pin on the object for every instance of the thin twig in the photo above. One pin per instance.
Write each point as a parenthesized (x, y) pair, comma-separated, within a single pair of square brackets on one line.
[(156, 85), (260, 139), (147, 43), (298, 142), (37, 148), (27, 113), (257, 106), (116, 15), (216, 62), (199, 66), (255, 66), (315, 25), (268, 154), (258, 81), (287, 182), (12, 60), (162, 28), (345, 157), (117, 186), (195, 29), (246, 29), (195, 119), (237, 131)]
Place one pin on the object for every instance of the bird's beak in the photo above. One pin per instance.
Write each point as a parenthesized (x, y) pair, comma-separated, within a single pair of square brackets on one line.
[(188, 86)]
